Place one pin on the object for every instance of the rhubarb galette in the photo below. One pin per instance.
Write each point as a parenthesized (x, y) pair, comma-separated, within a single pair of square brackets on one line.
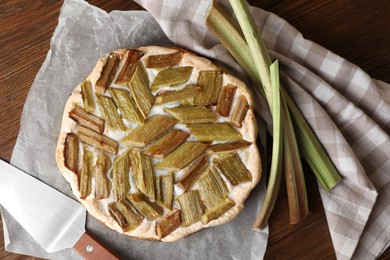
[(158, 143)]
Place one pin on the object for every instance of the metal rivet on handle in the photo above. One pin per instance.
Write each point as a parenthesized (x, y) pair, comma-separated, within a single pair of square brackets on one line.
[(89, 248)]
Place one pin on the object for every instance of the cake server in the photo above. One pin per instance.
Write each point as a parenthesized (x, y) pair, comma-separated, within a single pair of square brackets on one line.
[(54, 220)]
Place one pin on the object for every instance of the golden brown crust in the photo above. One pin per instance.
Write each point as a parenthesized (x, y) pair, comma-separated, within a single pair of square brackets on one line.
[(146, 230)]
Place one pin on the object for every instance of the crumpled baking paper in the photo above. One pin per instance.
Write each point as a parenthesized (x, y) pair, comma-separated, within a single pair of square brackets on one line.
[(83, 34)]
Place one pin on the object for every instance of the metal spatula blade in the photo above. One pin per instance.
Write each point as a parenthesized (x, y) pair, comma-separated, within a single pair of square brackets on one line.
[(54, 220)]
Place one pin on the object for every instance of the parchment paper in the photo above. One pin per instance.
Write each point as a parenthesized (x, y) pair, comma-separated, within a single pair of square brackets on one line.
[(83, 34)]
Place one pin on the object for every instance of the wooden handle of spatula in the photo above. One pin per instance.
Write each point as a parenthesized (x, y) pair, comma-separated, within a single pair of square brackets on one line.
[(89, 248)]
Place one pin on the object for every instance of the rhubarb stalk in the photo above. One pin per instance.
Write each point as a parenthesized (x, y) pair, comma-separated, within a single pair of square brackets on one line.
[(277, 155), (243, 49)]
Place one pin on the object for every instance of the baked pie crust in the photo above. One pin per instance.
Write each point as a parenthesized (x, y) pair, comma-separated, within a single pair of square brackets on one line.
[(158, 143)]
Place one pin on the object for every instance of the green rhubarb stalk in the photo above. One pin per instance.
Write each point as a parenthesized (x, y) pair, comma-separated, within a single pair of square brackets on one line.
[(297, 196), (222, 27), (219, 23), (258, 51), (293, 172), (310, 147), (277, 155)]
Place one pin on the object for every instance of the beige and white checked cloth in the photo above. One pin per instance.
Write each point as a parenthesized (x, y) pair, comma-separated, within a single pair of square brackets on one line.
[(348, 110)]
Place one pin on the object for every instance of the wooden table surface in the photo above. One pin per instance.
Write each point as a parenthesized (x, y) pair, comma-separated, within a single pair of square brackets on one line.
[(358, 30)]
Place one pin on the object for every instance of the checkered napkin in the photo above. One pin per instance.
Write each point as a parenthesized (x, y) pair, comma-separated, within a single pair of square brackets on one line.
[(348, 110)]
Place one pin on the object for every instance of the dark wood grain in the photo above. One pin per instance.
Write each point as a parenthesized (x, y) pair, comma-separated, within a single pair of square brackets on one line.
[(358, 30)]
